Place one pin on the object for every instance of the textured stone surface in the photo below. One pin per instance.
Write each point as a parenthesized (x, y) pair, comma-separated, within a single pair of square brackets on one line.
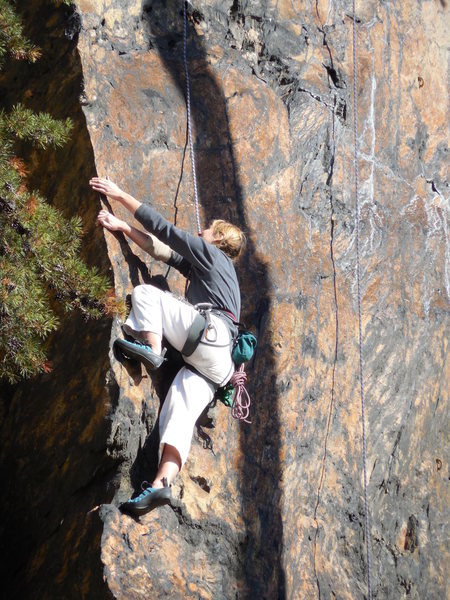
[(276, 511)]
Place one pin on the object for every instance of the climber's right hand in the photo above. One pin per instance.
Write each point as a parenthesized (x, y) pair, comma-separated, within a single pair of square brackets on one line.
[(105, 186)]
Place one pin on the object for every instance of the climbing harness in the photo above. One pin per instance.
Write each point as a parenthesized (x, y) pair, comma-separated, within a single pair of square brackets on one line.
[(233, 394), (196, 331), (358, 279), (188, 114), (202, 326)]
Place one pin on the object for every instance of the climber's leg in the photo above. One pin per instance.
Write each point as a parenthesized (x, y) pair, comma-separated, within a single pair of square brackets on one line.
[(159, 492), (153, 340), (145, 315), (152, 311), (149, 499), (142, 351), (155, 313), (169, 466), (188, 396)]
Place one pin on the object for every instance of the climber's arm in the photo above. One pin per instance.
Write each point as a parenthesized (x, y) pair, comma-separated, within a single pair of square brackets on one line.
[(151, 244), (146, 241), (109, 188)]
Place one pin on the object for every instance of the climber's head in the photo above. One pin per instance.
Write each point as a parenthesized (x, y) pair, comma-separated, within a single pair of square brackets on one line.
[(229, 238)]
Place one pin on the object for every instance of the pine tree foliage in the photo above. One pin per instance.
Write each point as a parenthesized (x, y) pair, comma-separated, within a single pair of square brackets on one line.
[(40, 263), (12, 40), (40, 129)]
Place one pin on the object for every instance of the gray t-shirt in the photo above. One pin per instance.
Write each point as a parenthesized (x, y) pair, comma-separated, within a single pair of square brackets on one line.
[(211, 273)]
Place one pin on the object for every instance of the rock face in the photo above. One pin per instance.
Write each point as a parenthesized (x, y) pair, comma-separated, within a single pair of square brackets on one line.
[(273, 509)]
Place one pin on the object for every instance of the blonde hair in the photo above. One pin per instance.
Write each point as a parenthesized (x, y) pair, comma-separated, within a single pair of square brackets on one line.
[(233, 240)]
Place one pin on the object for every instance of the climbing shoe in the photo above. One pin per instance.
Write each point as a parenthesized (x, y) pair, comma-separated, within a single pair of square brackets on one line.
[(149, 499), (137, 351)]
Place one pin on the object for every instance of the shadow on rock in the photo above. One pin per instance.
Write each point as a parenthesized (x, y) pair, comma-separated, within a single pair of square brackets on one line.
[(221, 197)]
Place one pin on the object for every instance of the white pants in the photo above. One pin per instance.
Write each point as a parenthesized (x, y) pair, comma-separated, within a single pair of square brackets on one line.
[(160, 312)]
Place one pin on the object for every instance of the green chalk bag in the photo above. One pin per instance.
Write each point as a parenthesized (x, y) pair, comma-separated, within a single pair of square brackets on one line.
[(244, 347)]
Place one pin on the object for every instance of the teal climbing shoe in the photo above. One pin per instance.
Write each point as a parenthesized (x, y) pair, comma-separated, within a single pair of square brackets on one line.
[(138, 351), (149, 499)]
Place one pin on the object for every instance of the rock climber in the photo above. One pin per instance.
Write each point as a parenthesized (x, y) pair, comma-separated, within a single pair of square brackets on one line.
[(207, 263)]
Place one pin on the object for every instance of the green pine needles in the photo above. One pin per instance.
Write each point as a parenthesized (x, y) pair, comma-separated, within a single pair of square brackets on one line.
[(12, 41), (40, 263)]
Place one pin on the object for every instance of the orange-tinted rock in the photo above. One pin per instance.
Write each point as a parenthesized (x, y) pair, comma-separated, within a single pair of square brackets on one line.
[(277, 509)]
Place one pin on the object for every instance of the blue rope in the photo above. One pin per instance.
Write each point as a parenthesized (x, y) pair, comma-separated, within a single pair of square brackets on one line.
[(358, 278), (188, 110)]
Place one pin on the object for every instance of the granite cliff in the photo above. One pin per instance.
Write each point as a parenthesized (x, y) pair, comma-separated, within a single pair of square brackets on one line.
[(273, 509)]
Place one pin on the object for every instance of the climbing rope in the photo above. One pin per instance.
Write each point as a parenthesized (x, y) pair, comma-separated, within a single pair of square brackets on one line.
[(358, 279), (241, 405), (188, 111), (242, 401)]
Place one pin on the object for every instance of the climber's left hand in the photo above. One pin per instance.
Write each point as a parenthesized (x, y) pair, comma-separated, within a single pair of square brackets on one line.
[(110, 222)]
